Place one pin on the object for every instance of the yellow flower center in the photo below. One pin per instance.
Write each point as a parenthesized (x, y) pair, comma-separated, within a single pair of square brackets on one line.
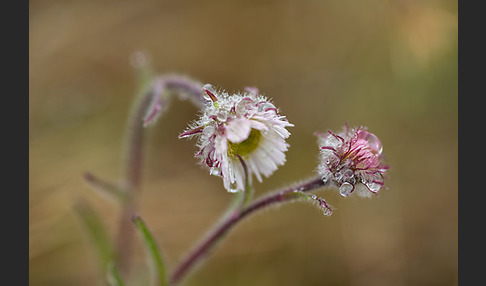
[(245, 147)]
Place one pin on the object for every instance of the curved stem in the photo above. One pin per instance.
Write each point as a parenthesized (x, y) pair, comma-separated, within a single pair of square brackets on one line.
[(246, 193), (202, 249), (134, 156), (131, 181)]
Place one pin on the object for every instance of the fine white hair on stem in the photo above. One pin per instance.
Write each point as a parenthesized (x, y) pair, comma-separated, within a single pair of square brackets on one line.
[(163, 87)]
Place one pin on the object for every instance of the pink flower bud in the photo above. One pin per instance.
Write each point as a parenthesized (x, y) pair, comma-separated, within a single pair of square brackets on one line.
[(352, 161)]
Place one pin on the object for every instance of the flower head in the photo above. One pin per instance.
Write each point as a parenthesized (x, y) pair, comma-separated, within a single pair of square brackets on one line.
[(352, 161), (246, 126)]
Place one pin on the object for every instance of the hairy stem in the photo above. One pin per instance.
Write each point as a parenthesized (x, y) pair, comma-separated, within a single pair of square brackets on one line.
[(203, 248), (131, 181), (134, 150)]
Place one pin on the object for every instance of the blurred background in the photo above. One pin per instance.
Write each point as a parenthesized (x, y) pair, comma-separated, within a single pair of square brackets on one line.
[(387, 65)]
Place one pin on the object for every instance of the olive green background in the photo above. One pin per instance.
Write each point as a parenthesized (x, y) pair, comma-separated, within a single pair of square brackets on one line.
[(387, 65)]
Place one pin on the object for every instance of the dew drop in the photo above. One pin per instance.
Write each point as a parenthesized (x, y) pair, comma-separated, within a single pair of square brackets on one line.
[(233, 188), (374, 187), (265, 106), (208, 92), (222, 115), (373, 141), (348, 174), (326, 211), (338, 175), (375, 144), (346, 189), (246, 107), (215, 172)]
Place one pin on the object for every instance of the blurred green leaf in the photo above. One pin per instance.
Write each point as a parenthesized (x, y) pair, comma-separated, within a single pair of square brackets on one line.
[(156, 261), (109, 189), (113, 276), (97, 233)]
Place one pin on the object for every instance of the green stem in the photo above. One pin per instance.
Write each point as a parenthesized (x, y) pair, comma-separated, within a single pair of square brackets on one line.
[(246, 193), (114, 278), (97, 233), (157, 263)]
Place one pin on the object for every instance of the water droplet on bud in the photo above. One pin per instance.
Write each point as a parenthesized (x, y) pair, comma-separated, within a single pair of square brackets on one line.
[(346, 189), (326, 211), (348, 174), (374, 187), (338, 175), (373, 141)]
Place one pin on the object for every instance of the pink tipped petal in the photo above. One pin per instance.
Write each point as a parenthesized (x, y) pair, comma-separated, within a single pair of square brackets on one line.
[(191, 132), (209, 92), (272, 109), (328, 148)]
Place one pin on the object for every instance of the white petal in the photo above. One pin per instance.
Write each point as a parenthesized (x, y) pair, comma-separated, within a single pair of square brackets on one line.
[(258, 125), (238, 130)]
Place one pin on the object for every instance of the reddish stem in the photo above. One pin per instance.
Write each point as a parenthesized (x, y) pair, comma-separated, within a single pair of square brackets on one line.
[(202, 249)]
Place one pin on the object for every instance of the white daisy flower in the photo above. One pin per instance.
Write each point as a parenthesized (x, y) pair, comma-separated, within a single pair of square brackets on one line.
[(246, 126)]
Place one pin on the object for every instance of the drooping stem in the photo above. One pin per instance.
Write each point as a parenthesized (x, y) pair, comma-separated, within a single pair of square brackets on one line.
[(134, 152), (131, 180), (206, 245)]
